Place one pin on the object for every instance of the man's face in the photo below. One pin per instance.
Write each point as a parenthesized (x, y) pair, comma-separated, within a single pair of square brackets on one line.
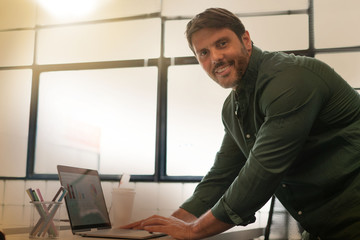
[(222, 55)]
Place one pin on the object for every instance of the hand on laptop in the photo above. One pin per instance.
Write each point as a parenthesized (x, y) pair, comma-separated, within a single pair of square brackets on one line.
[(172, 226), (189, 227), (180, 214)]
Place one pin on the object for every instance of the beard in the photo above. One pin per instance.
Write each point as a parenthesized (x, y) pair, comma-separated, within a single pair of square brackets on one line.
[(239, 64)]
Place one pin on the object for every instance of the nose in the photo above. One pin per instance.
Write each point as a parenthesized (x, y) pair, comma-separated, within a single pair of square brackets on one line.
[(216, 56)]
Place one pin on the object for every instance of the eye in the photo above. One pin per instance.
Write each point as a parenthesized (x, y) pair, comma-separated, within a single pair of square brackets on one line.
[(222, 44), (203, 53)]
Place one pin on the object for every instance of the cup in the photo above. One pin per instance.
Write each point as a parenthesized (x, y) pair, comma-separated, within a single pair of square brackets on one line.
[(121, 206), (45, 220)]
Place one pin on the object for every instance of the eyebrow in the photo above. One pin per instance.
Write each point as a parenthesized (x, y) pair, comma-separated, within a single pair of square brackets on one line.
[(221, 39)]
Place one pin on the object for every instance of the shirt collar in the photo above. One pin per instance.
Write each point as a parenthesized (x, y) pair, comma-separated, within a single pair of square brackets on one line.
[(248, 81)]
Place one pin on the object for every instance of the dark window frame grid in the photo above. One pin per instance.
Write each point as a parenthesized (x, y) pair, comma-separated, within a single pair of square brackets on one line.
[(163, 63)]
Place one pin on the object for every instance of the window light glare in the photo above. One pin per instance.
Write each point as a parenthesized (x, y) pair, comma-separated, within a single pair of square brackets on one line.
[(68, 8)]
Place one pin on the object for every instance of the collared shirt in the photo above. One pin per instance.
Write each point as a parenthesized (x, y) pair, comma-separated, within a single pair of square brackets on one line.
[(292, 128)]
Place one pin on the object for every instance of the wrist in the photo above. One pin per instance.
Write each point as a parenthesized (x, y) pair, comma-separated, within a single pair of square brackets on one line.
[(195, 231), (207, 225), (184, 215)]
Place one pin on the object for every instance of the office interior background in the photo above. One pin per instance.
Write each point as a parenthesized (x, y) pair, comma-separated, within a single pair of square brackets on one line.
[(112, 85)]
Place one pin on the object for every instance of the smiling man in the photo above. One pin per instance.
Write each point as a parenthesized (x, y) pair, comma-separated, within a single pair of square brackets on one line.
[(222, 55), (292, 128)]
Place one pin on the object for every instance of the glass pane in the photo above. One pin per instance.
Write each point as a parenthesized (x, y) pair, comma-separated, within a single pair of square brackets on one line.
[(102, 119), (17, 14), (291, 33), (346, 64), (16, 48), (176, 44), (15, 90), (178, 8), (195, 129), (67, 11), (279, 33), (100, 42), (335, 23)]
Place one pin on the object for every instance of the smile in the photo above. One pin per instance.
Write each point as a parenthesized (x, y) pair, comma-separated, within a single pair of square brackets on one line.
[(223, 70)]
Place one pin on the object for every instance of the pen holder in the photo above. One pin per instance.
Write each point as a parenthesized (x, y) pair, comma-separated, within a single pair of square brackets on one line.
[(45, 220)]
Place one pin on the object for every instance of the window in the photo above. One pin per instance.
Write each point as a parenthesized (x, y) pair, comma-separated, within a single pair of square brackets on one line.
[(337, 42), (336, 27), (195, 129), (346, 64), (102, 119), (122, 40), (279, 33), (15, 90), (17, 48), (291, 33), (175, 8), (17, 14)]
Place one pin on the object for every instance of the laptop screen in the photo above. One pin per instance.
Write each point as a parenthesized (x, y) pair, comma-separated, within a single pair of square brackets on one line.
[(85, 201)]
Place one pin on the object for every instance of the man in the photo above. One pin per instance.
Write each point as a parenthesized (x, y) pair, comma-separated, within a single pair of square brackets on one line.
[(292, 128)]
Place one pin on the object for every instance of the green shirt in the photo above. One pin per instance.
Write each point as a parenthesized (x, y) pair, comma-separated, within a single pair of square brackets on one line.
[(292, 128)]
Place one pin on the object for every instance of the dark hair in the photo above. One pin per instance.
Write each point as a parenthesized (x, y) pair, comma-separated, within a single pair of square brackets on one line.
[(214, 18)]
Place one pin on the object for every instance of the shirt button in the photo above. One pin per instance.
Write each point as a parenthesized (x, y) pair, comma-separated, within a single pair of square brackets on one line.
[(299, 212), (248, 136)]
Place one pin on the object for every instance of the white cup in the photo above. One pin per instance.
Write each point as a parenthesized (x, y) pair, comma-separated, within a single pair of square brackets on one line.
[(121, 206)]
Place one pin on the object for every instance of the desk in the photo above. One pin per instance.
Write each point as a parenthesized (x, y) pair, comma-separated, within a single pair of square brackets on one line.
[(67, 235)]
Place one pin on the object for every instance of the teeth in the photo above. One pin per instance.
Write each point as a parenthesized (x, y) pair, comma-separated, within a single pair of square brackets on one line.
[(220, 70)]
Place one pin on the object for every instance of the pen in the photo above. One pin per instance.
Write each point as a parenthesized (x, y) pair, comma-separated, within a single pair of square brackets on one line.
[(29, 192), (57, 194), (36, 199)]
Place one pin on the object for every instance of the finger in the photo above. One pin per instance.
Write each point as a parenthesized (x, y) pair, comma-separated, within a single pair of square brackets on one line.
[(155, 220), (138, 224), (134, 225)]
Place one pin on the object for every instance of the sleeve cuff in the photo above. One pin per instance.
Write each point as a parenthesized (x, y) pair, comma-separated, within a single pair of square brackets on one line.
[(224, 213), (195, 206)]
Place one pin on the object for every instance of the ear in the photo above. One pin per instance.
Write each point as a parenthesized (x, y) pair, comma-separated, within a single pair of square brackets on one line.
[(247, 41)]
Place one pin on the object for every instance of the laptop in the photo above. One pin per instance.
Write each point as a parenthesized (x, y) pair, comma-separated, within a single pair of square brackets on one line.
[(86, 207)]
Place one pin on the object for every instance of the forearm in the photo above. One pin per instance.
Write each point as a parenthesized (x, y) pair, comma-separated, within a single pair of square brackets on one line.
[(184, 215), (207, 225)]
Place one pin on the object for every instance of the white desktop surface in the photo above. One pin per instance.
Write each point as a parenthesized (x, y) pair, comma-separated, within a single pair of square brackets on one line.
[(67, 235), (64, 235)]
